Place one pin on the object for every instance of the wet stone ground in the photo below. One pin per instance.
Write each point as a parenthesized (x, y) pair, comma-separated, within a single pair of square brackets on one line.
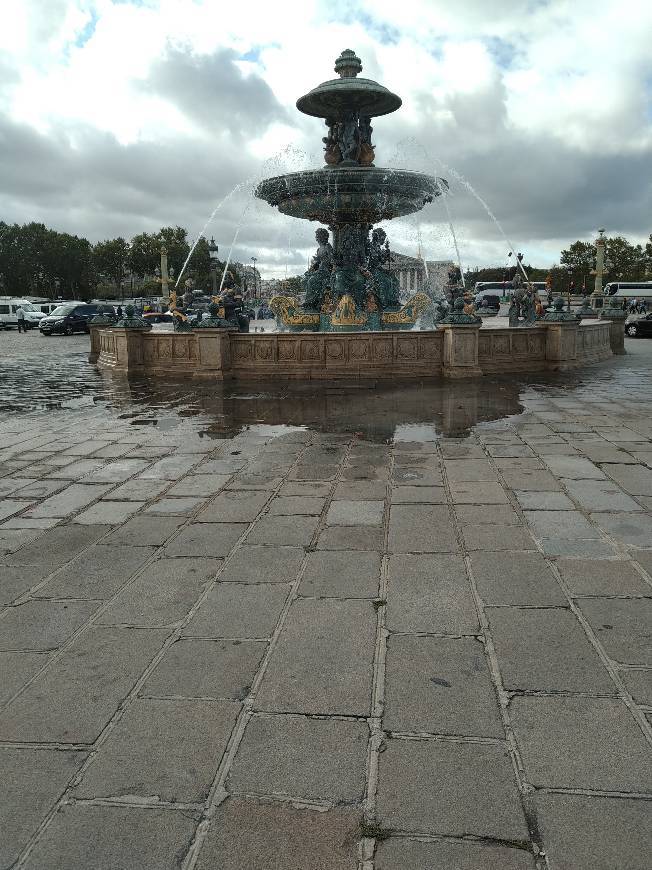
[(324, 629)]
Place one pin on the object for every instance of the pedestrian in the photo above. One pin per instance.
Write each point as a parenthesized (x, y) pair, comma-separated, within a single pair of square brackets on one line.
[(119, 312), (20, 315)]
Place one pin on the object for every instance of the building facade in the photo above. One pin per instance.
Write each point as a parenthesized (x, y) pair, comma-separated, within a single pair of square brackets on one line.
[(411, 272)]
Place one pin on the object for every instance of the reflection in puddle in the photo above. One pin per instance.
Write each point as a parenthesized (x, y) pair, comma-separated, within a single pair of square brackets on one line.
[(400, 411)]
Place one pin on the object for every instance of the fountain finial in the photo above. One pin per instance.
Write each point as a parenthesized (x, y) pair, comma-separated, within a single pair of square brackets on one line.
[(348, 64)]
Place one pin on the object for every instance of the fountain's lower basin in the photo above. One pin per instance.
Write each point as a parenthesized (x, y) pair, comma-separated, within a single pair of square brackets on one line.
[(352, 194)]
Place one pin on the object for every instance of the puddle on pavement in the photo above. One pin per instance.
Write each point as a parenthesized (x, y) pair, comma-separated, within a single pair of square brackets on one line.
[(404, 412)]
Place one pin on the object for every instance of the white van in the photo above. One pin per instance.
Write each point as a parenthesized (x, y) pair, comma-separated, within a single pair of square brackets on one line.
[(9, 305), (48, 307)]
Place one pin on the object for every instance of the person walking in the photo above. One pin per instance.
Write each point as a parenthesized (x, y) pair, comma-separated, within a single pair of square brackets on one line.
[(119, 312), (20, 316)]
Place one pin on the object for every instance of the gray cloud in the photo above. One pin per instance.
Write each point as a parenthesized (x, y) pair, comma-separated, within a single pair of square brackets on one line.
[(540, 187), (213, 92)]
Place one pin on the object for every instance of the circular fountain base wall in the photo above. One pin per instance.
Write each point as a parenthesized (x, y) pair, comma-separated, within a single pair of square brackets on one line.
[(356, 194)]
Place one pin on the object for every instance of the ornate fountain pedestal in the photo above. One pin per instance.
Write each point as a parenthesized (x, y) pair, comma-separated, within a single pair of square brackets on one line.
[(346, 316), (349, 285)]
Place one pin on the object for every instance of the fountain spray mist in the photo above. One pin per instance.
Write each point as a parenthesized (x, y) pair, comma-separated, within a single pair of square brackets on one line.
[(444, 196), (473, 192)]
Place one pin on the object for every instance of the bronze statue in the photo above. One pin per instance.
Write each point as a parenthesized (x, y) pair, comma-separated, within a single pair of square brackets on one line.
[(348, 137), (385, 285), (332, 153), (318, 278), (367, 154)]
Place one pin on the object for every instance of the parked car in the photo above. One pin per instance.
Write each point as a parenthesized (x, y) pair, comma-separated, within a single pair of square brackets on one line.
[(68, 318), (9, 305), (641, 326)]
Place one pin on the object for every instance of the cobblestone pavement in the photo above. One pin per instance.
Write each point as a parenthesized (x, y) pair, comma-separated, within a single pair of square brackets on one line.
[(389, 630)]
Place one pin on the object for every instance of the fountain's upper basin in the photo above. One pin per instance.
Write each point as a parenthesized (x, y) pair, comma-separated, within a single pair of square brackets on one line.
[(338, 195)]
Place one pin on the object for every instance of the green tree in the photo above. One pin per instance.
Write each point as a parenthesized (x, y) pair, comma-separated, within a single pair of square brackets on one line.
[(175, 240), (291, 286), (111, 258), (144, 254), (579, 260), (624, 262)]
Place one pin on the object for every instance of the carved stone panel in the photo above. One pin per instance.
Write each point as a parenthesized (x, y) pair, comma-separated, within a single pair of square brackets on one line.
[(164, 348), (310, 350), (429, 347), (335, 351), (519, 343), (382, 349), (484, 345), (180, 349), (287, 349), (242, 350), (499, 345), (264, 350), (537, 345), (406, 348), (358, 349)]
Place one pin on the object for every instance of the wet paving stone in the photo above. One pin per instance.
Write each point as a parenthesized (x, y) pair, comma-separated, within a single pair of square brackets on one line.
[(167, 748), (582, 832), (32, 780), (440, 686), (622, 627), (259, 835), (210, 669), (43, 625), (272, 600), (73, 699), (585, 743), (107, 837), (405, 854), (316, 759), (476, 791), (546, 650), (323, 663)]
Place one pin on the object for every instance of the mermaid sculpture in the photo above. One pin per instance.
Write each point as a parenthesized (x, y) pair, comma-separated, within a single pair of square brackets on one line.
[(318, 278)]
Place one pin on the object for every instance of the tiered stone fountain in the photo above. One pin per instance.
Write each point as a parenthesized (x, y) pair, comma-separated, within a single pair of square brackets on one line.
[(350, 286)]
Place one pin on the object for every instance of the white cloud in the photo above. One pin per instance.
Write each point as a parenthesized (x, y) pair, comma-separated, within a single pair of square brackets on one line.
[(544, 106)]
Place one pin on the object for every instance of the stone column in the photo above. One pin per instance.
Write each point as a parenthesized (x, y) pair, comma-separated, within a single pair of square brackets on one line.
[(95, 342), (129, 349), (561, 344), (597, 297), (164, 271), (616, 317), (460, 350), (214, 347)]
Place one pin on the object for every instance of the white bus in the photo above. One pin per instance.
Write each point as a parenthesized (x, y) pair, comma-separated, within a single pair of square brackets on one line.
[(629, 289)]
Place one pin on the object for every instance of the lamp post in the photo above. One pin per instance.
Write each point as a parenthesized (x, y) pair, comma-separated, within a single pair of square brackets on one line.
[(600, 246), (254, 260), (212, 253), (570, 284)]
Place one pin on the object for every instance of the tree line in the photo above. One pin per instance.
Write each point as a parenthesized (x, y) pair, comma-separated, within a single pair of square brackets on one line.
[(37, 261), (623, 262)]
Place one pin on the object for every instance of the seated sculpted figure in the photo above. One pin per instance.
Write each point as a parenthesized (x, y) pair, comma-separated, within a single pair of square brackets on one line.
[(318, 278), (385, 285)]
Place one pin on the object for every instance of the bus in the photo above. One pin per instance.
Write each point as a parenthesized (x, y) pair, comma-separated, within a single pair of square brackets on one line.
[(629, 289)]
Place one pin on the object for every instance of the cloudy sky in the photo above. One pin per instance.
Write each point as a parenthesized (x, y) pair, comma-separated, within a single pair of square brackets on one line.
[(119, 116)]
